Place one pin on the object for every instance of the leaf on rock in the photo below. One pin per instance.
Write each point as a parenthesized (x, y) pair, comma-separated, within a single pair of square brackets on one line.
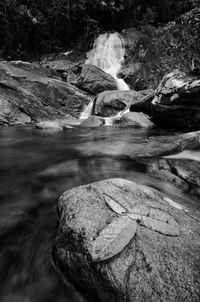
[(157, 220), (114, 205), (113, 238)]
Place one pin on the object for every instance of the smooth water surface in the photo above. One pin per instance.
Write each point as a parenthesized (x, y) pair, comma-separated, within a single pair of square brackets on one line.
[(36, 167)]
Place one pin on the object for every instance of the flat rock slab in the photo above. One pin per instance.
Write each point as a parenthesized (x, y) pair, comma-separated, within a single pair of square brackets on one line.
[(119, 241)]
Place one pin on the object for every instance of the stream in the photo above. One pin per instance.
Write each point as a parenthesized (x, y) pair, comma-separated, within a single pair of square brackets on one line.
[(36, 168)]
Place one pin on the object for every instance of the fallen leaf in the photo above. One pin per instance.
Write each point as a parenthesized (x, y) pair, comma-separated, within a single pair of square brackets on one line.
[(157, 220), (113, 238), (114, 205)]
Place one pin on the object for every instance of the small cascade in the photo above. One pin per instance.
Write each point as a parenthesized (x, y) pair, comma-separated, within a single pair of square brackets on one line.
[(87, 111), (108, 54), (109, 121)]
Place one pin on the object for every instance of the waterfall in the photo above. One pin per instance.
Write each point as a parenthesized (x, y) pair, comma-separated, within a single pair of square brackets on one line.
[(108, 54)]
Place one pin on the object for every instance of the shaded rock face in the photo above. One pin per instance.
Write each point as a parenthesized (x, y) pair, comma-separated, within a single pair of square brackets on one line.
[(27, 94), (109, 103), (91, 78), (136, 120), (119, 241), (140, 55), (177, 101), (144, 104), (135, 75), (135, 41)]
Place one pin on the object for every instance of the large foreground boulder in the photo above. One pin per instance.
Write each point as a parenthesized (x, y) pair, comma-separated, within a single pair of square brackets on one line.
[(27, 95), (177, 101), (119, 241), (109, 103)]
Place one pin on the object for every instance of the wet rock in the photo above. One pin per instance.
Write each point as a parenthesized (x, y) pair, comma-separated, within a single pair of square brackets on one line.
[(93, 121), (176, 104), (93, 79), (136, 120), (109, 103), (135, 75), (57, 125), (28, 95), (182, 173), (121, 241)]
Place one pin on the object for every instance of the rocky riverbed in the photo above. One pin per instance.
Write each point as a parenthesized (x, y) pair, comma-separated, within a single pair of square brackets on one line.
[(129, 220)]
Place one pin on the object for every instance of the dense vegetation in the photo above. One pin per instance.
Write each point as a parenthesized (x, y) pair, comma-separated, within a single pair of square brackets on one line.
[(30, 27)]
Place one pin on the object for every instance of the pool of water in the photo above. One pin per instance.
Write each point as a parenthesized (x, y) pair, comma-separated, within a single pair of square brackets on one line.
[(36, 167)]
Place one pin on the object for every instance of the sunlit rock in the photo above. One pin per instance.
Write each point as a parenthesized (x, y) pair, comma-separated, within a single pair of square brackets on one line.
[(29, 95)]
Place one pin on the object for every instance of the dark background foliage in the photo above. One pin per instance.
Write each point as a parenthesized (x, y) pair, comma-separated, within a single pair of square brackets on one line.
[(30, 28)]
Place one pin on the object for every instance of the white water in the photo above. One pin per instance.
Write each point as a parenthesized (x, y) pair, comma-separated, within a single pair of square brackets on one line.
[(187, 154), (108, 54), (87, 111)]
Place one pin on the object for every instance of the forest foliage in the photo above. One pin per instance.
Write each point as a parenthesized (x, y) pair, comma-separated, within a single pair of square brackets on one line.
[(30, 28)]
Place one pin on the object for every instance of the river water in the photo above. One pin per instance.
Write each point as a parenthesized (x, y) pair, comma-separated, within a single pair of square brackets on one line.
[(36, 167)]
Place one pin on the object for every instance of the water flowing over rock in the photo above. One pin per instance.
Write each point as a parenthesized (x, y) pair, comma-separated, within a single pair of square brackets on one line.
[(108, 54), (177, 101), (28, 94), (109, 103), (121, 241)]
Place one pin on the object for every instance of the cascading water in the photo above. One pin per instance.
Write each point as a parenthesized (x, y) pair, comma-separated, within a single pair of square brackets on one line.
[(108, 54)]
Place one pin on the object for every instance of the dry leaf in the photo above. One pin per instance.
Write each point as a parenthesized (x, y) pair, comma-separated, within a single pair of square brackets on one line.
[(113, 238), (114, 205), (156, 220)]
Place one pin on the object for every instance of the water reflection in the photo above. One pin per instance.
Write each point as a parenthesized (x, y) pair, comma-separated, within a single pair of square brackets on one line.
[(35, 168)]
